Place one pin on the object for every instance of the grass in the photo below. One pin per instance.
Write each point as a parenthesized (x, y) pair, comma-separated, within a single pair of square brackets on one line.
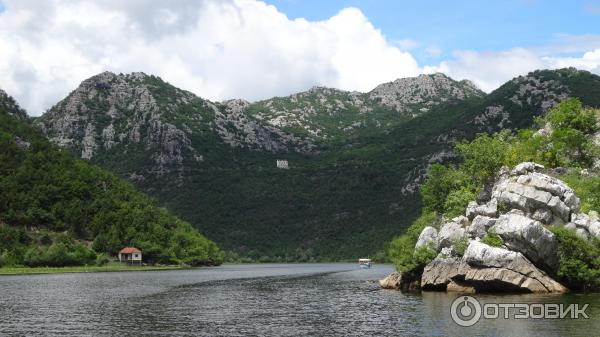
[(111, 267)]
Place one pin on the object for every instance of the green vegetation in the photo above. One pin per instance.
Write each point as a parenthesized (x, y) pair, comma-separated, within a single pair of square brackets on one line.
[(448, 189), (402, 250), (492, 239), (111, 267), (344, 202), (58, 211), (579, 260), (460, 245)]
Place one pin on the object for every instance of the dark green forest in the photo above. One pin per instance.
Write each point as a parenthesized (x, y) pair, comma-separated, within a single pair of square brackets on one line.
[(56, 210)]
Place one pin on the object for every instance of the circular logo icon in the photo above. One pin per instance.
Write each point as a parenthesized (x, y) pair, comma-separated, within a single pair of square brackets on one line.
[(465, 311)]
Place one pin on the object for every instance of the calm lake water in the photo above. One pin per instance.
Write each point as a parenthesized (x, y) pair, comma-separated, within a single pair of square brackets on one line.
[(254, 300)]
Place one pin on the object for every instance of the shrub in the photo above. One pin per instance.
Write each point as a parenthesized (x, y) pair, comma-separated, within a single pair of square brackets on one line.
[(579, 260), (571, 114), (460, 245), (492, 239), (441, 181), (402, 252), (457, 201), (59, 254), (483, 156), (102, 259)]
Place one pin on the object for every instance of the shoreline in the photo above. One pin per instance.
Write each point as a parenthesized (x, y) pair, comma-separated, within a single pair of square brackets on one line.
[(11, 271)]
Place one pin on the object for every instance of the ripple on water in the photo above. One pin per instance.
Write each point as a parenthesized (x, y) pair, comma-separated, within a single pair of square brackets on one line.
[(250, 300)]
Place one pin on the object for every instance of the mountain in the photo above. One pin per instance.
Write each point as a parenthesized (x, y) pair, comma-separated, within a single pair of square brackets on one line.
[(11, 107), (329, 115), (58, 210), (355, 159)]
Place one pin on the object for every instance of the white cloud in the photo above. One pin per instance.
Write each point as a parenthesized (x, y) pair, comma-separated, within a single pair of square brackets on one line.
[(222, 49), (216, 49), (489, 70), (433, 51), (407, 44)]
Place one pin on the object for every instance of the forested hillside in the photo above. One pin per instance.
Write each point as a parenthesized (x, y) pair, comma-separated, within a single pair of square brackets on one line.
[(57, 210), (356, 160)]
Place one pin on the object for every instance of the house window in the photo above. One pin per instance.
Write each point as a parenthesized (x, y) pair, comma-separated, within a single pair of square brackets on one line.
[(135, 256)]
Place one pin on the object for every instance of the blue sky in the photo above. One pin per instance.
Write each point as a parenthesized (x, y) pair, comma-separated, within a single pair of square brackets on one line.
[(465, 24)]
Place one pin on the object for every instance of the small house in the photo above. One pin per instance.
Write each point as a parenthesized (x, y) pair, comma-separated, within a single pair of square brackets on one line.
[(130, 255), (282, 164)]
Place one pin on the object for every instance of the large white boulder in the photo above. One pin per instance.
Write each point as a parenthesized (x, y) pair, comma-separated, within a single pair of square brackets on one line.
[(489, 209), (529, 237), (537, 194), (391, 281), (506, 267), (449, 233), (428, 238), (485, 268), (480, 226), (526, 167)]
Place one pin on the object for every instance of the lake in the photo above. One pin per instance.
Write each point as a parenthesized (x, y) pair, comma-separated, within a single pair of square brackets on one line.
[(255, 300)]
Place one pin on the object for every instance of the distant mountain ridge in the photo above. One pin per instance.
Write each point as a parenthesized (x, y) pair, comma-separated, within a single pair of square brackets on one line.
[(324, 113), (356, 159)]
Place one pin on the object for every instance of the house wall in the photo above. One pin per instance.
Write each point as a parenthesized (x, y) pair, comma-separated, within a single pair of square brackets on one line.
[(130, 257)]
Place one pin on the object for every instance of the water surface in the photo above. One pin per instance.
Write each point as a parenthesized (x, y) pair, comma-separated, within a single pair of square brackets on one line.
[(253, 300)]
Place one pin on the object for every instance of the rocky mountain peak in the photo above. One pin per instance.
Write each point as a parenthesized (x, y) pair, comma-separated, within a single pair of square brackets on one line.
[(11, 106), (424, 90), (236, 105), (109, 110)]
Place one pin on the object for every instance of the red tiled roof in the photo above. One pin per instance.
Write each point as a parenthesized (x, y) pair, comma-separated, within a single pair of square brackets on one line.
[(129, 250)]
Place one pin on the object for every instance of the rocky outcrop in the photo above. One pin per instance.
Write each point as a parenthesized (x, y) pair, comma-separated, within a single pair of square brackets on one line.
[(529, 237), (238, 130), (449, 233), (392, 281), (426, 91), (312, 111), (397, 281), (522, 205), (428, 238), (168, 127), (484, 268), (536, 194)]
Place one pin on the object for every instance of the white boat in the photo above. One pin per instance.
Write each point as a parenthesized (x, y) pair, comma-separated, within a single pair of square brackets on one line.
[(364, 263)]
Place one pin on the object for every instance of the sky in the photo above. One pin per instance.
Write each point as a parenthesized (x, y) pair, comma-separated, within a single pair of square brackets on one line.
[(223, 49)]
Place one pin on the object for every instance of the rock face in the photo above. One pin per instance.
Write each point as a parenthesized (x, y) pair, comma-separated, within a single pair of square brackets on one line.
[(484, 268), (317, 111), (168, 128), (449, 233), (428, 238), (522, 204), (538, 195), (392, 281), (529, 237), (424, 90)]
